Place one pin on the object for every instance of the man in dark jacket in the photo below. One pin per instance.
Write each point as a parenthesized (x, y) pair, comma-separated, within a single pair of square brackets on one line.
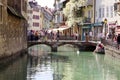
[(118, 41)]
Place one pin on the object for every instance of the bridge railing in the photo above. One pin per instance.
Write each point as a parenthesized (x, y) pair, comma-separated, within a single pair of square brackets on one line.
[(61, 37)]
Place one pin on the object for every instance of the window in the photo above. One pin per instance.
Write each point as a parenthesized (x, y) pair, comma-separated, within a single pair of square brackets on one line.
[(107, 11), (89, 15), (24, 5), (96, 14), (35, 16), (111, 10), (36, 9), (103, 12), (99, 12), (1, 15), (36, 24)]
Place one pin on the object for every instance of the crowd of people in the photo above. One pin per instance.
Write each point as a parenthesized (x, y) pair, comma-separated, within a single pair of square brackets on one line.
[(43, 35)]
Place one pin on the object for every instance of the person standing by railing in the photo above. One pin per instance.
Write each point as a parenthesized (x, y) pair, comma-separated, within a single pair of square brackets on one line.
[(58, 35), (51, 35), (118, 41), (86, 37)]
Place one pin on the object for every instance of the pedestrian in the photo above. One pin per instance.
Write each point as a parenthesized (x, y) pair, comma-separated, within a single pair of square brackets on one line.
[(36, 35), (76, 36), (31, 35), (86, 37), (58, 35), (90, 35), (118, 41), (51, 35)]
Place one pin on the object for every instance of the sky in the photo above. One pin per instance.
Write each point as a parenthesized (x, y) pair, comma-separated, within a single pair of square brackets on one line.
[(48, 3)]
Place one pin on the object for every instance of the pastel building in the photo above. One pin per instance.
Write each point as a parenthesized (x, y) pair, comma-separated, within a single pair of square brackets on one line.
[(47, 16), (34, 16), (104, 10), (117, 10)]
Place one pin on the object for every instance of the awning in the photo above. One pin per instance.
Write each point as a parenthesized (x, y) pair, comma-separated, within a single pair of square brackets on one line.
[(97, 24), (63, 28), (85, 27), (118, 27), (60, 29), (112, 24)]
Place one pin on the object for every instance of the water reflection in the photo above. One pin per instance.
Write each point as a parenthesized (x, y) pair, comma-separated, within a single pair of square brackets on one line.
[(15, 70), (66, 64), (69, 64)]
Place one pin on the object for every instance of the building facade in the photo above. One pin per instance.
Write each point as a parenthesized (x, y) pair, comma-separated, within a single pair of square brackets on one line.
[(117, 10), (48, 16), (87, 18), (104, 10), (34, 16)]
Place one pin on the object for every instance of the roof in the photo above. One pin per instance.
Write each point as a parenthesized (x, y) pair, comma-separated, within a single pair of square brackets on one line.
[(33, 4), (14, 12), (48, 10)]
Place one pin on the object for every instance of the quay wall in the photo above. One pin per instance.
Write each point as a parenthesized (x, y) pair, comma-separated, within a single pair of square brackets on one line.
[(114, 52)]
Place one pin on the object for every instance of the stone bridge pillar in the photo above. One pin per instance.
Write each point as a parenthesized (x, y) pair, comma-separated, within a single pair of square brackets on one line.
[(54, 48)]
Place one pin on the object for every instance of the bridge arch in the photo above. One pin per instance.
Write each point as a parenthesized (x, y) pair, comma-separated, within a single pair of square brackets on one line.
[(54, 45), (33, 44)]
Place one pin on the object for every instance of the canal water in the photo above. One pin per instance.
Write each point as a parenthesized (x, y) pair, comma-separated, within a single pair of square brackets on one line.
[(66, 64)]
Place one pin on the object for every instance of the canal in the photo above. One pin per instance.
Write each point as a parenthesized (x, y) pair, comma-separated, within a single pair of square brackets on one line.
[(66, 64)]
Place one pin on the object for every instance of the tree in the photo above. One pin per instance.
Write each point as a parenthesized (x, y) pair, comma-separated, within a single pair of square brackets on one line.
[(73, 12)]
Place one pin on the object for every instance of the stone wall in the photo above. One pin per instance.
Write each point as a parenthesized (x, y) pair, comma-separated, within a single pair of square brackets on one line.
[(3, 25), (12, 33)]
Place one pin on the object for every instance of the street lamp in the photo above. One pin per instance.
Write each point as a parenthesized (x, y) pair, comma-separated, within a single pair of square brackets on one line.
[(105, 27)]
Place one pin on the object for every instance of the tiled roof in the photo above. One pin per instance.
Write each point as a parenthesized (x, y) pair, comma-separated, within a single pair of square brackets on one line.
[(33, 4)]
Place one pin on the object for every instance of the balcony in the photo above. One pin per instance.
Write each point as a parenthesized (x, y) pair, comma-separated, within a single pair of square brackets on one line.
[(117, 7)]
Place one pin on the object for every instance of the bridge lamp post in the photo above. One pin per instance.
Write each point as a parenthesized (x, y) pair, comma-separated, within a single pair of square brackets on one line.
[(105, 27)]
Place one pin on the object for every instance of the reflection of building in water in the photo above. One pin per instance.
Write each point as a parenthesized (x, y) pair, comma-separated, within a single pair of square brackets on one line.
[(39, 68), (68, 73), (111, 63), (61, 72), (15, 70), (39, 50)]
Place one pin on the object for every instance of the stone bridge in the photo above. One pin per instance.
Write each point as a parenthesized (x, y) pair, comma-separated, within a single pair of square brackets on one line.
[(81, 45)]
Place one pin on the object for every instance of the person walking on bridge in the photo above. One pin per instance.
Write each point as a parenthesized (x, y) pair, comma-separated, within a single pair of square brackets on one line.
[(58, 35)]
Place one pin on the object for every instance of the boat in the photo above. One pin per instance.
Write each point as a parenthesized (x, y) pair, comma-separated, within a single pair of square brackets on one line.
[(100, 49)]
